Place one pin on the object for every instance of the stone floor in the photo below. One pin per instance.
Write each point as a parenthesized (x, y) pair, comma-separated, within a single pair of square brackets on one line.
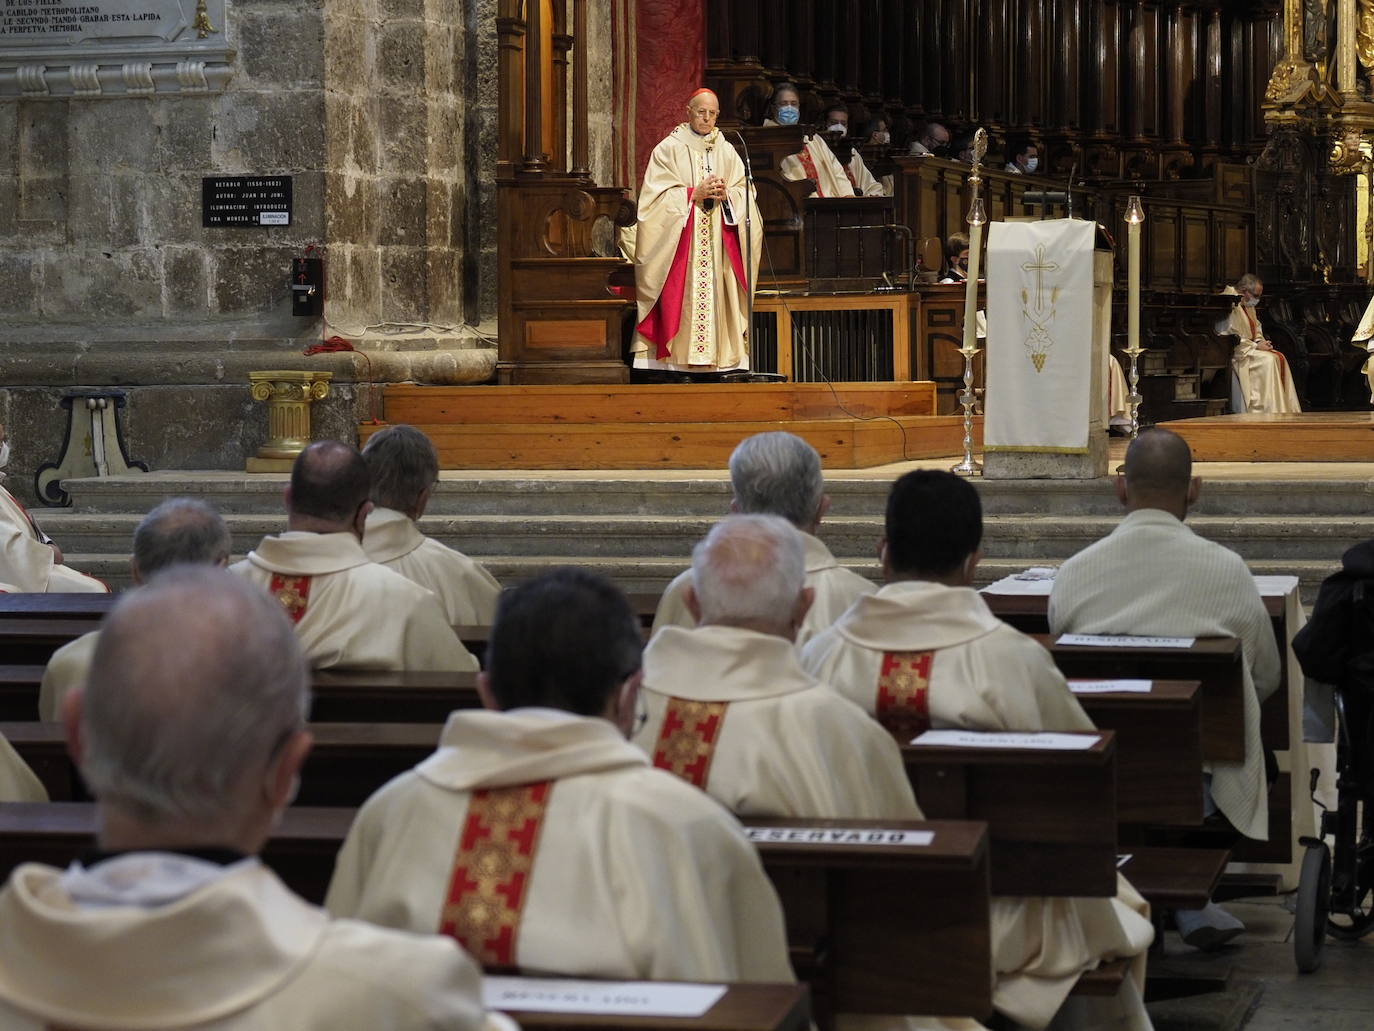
[(1265, 992)]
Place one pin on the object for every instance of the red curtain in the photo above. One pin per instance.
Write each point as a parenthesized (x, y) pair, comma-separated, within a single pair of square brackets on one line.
[(670, 62)]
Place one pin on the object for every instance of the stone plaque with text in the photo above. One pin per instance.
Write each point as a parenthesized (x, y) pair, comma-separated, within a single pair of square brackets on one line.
[(95, 48), (245, 200)]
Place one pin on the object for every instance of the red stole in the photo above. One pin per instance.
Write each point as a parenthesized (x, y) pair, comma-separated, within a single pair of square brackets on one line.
[(491, 872), (293, 592), (687, 740), (903, 702)]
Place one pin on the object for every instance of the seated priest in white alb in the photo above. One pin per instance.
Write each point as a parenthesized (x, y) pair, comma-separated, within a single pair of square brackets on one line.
[(537, 836), (780, 474), (1262, 379), (405, 470), (180, 530), (1364, 339), (29, 560), (1153, 576), (925, 651), (817, 162), (731, 710), (349, 612), (192, 750)]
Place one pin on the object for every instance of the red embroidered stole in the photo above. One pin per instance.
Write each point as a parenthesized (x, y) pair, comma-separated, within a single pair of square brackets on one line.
[(293, 592), (491, 872), (809, 165), (903, 703), (687, 740)]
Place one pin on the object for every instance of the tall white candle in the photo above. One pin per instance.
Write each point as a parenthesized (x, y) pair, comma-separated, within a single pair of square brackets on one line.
[(975, 250), (1134, 217)]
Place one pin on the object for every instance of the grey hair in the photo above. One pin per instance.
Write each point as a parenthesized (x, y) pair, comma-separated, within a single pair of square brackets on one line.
[(1248, 282), (196, 681), (749, 568), (403, 462), (778, 474), (180, 530)]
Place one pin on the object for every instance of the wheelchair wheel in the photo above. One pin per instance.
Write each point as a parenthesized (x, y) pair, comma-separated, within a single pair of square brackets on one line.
[(1354, 924), (1314, 901)]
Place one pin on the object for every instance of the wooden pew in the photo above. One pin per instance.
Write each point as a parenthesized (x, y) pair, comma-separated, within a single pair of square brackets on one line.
[(347, 764), (1214, 661), (340, 696), (1158, 750), (888, 928), (1051, 814), (23, 605), (31, 640), (1029, 613)]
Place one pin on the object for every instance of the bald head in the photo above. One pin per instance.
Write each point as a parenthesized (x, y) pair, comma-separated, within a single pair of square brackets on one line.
[(179, 530), (750, 571), (1159, 472), (329, 485), (196, 685), (702, 111)]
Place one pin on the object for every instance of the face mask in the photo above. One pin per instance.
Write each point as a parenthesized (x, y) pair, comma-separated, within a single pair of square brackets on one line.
[(1032, 164), (1249, 302), (788, 115), (962, 265), (838, 127), (881, 138)]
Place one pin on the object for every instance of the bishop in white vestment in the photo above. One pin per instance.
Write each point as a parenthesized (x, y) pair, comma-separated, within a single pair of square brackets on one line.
[(609, 867), (925, 651), (1263, 380)]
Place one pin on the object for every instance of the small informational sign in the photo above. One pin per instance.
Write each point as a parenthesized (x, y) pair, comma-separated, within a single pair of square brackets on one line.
[(245, 201), (1110, 686), (623, 998), (839, 836), (1124, 641), (1001, 739)]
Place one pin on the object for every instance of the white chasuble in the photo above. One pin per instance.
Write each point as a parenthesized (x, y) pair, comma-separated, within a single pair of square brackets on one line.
[(732, 712), (466, 590), (918, 654), (157, 944), (66, 670), (1364, 338), (623, 871), (1040, 336), (836, 588), (350, 612), (817, 162), (690, 274), (29, 565)]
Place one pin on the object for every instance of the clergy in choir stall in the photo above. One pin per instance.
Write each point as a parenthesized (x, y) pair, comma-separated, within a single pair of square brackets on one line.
[(180, 530), (925, 651), (1364, 338), (817, 161), (933, 142), (192, 752), (1153, 576), (1025, 157), (690, 267), (349, 612), (1262, 380), (605, 866), (956, 259), (29, 560), (780, 474), (405, 470)]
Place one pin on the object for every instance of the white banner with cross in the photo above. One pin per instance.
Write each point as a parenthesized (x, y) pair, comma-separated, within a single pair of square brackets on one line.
[(1040, 328)]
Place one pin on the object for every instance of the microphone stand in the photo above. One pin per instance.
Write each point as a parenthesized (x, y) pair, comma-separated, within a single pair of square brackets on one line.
[(748, 236)]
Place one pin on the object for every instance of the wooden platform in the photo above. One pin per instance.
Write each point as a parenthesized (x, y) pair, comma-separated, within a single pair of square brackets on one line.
[(672, 426), (1307, 437)]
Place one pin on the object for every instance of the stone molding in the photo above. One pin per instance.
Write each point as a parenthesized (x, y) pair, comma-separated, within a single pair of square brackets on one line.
[(126, 71)]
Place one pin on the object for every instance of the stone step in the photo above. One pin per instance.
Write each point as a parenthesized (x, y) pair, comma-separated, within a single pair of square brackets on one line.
[(708, 493), (1036, 538), (646, 575)]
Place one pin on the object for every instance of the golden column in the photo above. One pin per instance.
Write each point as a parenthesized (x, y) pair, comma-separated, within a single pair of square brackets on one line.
[(289, 394)]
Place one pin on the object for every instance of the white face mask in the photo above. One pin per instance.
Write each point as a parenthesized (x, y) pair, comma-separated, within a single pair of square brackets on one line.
[(1032, 164), (1249, 302), (4, 454), (881, 138), (838, 127)]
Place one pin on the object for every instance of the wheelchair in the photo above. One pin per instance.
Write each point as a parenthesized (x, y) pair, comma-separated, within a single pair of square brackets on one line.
[(1336, 888)]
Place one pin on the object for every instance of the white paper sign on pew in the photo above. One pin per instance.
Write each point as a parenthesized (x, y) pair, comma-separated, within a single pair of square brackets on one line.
[(1003, 739), (624, 998), (1124, 641), (1110, 686), (839, 836)]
